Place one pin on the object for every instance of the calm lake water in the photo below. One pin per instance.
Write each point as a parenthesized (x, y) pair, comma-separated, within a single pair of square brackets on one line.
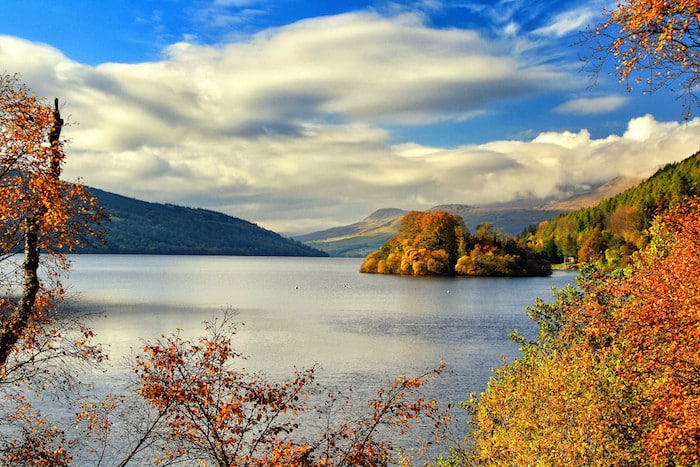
[(361, 329)]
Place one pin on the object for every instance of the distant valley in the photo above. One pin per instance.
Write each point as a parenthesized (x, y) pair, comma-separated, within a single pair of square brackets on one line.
[(360, 238), (140, 227)]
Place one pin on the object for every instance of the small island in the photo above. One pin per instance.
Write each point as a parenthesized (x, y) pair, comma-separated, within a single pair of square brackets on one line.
[(439, 244)]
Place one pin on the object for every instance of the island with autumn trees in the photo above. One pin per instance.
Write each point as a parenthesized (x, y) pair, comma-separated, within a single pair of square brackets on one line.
[(439, 244)]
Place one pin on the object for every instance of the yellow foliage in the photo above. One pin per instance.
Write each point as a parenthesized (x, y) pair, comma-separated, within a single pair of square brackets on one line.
[(612, 378)]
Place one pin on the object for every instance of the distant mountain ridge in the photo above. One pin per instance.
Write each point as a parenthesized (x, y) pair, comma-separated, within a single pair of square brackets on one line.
[(606, 190), (363, 237), (358, 239), (141, 227)]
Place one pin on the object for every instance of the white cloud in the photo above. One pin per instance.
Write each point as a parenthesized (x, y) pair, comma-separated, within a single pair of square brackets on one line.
[(591, 105), (645, 128), (553, 163), (566, 139), (571, 21), (285, 129)]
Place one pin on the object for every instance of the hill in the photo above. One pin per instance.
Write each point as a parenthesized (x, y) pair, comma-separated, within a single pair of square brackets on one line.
[(358, 239), (586, 200), (140, 227), (367, 235), (609, 232)]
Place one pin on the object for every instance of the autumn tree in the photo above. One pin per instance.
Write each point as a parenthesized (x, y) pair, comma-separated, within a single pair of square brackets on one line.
[(593, 247), (207, 409), (39, 212), (42, 217), (655, 43), (625, 222), (426, 244)]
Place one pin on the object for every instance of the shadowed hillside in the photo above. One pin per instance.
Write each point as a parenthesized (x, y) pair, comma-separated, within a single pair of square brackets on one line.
[(140, 227)]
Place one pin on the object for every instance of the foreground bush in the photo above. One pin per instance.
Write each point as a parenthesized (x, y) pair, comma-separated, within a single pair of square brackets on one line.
[(206, 410), (191, 403)]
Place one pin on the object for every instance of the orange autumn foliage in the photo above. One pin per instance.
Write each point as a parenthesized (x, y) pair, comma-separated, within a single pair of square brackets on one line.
[(613, 376), (428, 243), (656, 40), (208, 410), (41, 444), (31, 160), (40, 214), (42, 217)]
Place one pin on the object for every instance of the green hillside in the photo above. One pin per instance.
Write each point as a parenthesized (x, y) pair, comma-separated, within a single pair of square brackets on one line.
[(611, 231), (140, 227)]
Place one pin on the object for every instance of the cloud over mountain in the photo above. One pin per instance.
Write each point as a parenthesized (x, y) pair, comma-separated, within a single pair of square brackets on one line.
[(292, 127)]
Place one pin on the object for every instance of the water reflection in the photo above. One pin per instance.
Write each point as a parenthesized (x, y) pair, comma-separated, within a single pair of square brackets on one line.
[(301, 311)]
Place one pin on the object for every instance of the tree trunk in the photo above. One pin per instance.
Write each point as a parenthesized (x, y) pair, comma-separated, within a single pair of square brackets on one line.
[(30, 288), (22, 314)]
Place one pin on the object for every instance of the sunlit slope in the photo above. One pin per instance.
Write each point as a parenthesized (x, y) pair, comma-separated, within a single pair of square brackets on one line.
[(358, 239), (614, 228)]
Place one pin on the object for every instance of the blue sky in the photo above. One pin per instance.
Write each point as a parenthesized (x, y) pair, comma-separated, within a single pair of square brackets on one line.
[(301, 115)]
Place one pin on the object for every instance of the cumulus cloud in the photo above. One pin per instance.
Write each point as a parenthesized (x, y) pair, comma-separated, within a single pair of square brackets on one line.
[(288, 128), (553, 163)]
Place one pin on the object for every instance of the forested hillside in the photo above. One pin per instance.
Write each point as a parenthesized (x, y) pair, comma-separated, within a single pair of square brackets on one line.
[(610, 232), (140, 227)]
